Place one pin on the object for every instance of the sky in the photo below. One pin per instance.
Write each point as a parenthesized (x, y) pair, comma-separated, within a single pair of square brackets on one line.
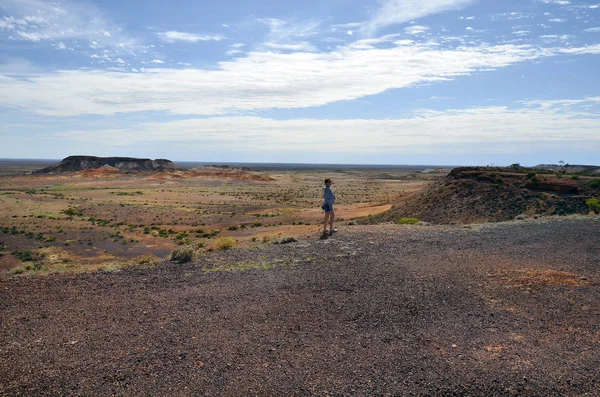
[(444, 82)]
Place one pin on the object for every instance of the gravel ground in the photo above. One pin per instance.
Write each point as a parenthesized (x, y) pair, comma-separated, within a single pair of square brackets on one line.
[(501, 309)]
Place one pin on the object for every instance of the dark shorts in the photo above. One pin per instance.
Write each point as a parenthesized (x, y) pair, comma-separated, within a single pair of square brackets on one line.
[(327, 208)]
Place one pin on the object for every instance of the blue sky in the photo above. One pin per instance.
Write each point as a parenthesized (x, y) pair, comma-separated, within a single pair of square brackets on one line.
[(328, 81)]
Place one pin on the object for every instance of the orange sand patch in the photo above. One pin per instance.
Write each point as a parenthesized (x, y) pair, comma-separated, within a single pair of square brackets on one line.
[(531, 278), (348, 211)]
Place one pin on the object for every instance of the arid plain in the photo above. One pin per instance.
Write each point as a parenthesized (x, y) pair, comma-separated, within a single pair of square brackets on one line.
[(108, 219), (487, 309)]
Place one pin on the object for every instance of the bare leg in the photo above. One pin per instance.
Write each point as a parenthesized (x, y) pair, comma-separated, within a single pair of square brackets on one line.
[(325, 221), (331, 218)]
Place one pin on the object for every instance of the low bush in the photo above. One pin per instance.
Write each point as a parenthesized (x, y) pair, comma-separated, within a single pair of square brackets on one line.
[(182, 255), (285, 240), (593, 204), (24, 256), (594, 183), (72, 212), (408, 221), (225, 243)]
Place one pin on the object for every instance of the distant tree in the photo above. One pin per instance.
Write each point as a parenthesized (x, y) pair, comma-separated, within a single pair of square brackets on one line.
[(515, 166), (562, 167)]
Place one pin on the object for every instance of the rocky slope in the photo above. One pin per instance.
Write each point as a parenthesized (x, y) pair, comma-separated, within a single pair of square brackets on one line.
[(82, 163), (491, 310), (479, 194)]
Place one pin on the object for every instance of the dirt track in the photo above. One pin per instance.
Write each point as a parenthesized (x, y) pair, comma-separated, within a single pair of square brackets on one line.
[(505, 309)]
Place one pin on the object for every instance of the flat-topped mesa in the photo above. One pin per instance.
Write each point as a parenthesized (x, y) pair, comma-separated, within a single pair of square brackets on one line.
[(81, 163)]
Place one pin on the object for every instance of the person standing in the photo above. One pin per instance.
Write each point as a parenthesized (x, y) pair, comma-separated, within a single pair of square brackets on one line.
[(328, 200)]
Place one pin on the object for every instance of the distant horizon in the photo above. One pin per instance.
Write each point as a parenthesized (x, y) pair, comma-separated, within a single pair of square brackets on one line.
[(302, 164)]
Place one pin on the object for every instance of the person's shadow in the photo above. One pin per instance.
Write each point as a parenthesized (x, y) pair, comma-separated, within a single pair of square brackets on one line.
[(324, 236)]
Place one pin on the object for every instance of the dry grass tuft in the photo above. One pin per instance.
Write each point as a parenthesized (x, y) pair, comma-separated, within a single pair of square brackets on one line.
[(225, 243), (183, 254)]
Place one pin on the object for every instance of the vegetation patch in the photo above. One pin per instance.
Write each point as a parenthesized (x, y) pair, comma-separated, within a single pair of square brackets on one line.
[(593, 204), (183, 254), (408, 221), (225, 243), (72, 212), (136, 193)]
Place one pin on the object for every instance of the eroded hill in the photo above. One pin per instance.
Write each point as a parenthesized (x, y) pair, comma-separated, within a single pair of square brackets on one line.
[(82, 163), (478, 194)]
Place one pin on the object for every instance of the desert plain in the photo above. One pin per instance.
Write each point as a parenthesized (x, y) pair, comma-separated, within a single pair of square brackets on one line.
[(101, 218), (92, 305)]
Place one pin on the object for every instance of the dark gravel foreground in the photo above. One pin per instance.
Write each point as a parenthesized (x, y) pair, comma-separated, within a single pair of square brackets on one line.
[(372, 311)]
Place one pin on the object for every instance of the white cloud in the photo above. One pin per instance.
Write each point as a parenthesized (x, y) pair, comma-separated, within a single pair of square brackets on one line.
[(157, 61), (393, 12), (561, 103), (416, 29), (289, 35), (591, 49), (557, 20), (299, 47), (559, 2), (39, 21), (173, 36), (555, 37), (592, 30), (262, 80), (513, 16), (235, 49), (482, 129)]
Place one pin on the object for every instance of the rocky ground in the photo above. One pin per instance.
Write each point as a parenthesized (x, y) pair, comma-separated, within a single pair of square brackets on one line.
[(499, 309)]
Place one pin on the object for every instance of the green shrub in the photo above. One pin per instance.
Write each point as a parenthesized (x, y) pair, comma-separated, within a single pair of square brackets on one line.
[(163, 233), (182, 255), (225, 243), (408, 221), (593, 204), (594, 183), (72, 212), (24, 256)]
